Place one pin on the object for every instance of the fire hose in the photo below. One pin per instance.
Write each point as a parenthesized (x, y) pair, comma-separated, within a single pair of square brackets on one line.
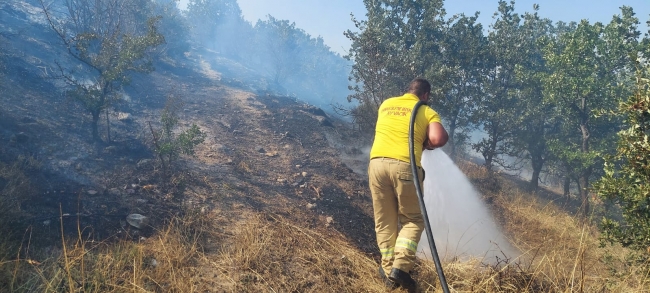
[(418, 189)]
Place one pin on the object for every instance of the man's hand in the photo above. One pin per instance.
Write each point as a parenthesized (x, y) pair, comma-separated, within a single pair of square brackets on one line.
[(427, 144)]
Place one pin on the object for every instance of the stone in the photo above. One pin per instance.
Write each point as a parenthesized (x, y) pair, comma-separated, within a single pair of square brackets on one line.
[(91, 192), (316, 111), (322, 121), (124, 117), (260, 150), (304, 174), (311, 206), (110, 149), (27, 120), (218, 147), (20, 137), (136, 220), (143, 162)]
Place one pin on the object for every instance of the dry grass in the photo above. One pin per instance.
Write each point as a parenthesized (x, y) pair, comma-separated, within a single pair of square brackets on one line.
[(561, 253), (266, 253), (15, 184), (271, 254), (251, 251), (166, 262)]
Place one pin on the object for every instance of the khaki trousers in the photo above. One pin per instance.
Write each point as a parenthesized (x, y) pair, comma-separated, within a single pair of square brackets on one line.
[(394, 201)]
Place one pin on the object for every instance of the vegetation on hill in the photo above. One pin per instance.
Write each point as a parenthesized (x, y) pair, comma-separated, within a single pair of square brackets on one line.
[(263, 196), (531, 86), (111, 40), (627, 173), (263, 251)]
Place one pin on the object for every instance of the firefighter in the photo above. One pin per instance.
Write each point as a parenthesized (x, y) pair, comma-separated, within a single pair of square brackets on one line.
[(394, 198)]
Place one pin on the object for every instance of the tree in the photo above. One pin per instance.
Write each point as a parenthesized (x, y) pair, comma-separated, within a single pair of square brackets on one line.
[(463, 66), (173, 26), (578, 85), (282, 47), (399, 40), (373, 80), (556, 166), (216, 24), (110, 39), (589, 70), (534, 116), (627, 174), (322, 77), (497, 110)]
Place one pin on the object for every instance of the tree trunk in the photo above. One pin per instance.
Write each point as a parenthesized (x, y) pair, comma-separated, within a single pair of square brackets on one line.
[(584, 192), (537, 163), (94, 125), (492, 148), (452, 142), (108, 128), (567, 186), (584, 175)]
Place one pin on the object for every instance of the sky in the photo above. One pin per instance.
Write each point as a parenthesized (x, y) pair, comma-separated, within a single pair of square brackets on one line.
[(330, 18)]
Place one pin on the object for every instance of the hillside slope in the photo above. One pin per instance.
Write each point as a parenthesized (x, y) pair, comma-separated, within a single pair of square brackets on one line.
[(275, 199)]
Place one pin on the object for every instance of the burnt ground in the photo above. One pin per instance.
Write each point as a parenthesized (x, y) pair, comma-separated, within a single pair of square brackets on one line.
[(263, 152)]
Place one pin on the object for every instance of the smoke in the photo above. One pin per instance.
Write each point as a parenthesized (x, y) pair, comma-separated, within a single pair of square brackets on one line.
[(462, 225), (272, 55)]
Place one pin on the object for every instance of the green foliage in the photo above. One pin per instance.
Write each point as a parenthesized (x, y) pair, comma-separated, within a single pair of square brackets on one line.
[(586, 73), (173, 26), (464, 67), (281, 42), (534, 113), (291, 61), (497, 111), (169, 143), (627, 173), (399, 40), (110, 39), (216, 24), (531, 85)]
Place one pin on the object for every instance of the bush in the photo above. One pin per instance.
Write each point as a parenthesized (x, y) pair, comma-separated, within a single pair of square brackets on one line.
[(170, 145), (627, 174)]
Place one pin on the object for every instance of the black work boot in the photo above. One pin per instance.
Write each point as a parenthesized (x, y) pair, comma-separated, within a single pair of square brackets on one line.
[(402, 278), (387, 282)]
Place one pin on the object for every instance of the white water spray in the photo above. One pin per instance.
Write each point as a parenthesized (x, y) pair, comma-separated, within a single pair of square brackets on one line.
[(461, 223)]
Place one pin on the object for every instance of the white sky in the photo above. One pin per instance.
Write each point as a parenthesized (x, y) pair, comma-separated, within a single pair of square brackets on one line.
[(330, 18)]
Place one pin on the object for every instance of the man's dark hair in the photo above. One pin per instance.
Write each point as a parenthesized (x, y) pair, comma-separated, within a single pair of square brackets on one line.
[(419, 87)]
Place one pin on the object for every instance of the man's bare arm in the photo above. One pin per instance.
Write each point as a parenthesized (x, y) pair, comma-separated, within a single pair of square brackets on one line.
[(437, 136)]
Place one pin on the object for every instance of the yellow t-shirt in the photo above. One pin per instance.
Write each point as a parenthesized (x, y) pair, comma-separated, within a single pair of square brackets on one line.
[(392, 131)]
